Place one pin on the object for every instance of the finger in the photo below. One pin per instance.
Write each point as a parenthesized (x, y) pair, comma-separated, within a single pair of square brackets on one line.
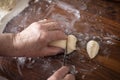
[(51, 51), (48, 26), (60, 74), (44, 21), (69, 77), (56, 35), (49, 20), (51, 26)]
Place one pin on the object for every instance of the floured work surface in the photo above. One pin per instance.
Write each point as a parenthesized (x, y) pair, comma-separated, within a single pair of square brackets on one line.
[(98, 21)]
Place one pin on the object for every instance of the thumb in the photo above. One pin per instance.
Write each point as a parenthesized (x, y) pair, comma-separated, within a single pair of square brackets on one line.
[(59, 74), (69, 77)]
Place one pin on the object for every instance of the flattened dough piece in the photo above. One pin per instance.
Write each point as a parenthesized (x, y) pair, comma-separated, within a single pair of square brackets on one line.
[(92, 48), (62, 43)]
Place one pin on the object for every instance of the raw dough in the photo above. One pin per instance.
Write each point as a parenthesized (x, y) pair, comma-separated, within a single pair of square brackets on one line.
[(62, 43), (10, 9), (92, 48)]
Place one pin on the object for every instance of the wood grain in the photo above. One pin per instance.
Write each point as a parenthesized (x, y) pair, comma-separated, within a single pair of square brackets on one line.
[(99, 20)]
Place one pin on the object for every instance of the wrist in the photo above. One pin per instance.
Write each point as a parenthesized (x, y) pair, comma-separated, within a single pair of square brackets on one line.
[(6, 42), (17, 43), (20, 43)]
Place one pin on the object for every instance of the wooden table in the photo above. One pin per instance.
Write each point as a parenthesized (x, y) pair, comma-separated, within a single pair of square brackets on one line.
[(99, 20)]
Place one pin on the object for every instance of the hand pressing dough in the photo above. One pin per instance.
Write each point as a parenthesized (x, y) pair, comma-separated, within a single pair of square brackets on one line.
[(62, 43)]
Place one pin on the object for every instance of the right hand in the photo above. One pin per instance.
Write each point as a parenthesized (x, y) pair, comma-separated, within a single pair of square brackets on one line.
[(62, 74)]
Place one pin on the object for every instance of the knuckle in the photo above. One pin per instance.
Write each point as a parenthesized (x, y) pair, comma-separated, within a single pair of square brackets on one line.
[(69, 75), (44, 35), (54, 24), (58, 32), (57, 25)]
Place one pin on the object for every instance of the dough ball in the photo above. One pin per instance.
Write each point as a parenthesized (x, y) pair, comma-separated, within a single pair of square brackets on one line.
[(92, 48)]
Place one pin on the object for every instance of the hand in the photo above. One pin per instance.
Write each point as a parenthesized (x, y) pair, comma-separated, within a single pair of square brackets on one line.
[(34, 40), (62, 74)]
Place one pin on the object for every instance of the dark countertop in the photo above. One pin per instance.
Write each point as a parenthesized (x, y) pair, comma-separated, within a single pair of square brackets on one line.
[(99, 20)]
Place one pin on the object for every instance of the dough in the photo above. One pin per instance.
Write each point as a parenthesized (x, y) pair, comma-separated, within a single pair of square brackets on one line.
[(92, 48), (10, 9), (62, 43), (71, 43)]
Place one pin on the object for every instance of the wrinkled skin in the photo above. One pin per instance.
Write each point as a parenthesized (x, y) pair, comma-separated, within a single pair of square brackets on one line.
[(34, 40)]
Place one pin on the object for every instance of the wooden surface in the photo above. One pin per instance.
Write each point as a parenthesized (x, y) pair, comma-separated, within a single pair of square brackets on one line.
[(99, 20)]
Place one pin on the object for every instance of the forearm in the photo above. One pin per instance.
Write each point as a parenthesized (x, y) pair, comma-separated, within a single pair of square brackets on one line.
[(6, 44)]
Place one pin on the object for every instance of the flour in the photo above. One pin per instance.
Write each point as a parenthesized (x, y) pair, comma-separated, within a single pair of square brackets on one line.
[(6, 16)]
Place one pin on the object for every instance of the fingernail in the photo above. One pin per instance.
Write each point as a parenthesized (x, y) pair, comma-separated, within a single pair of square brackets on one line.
[(45, 19)]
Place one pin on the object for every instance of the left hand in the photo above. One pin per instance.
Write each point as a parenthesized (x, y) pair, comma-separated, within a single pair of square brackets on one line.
[(34, 40)]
